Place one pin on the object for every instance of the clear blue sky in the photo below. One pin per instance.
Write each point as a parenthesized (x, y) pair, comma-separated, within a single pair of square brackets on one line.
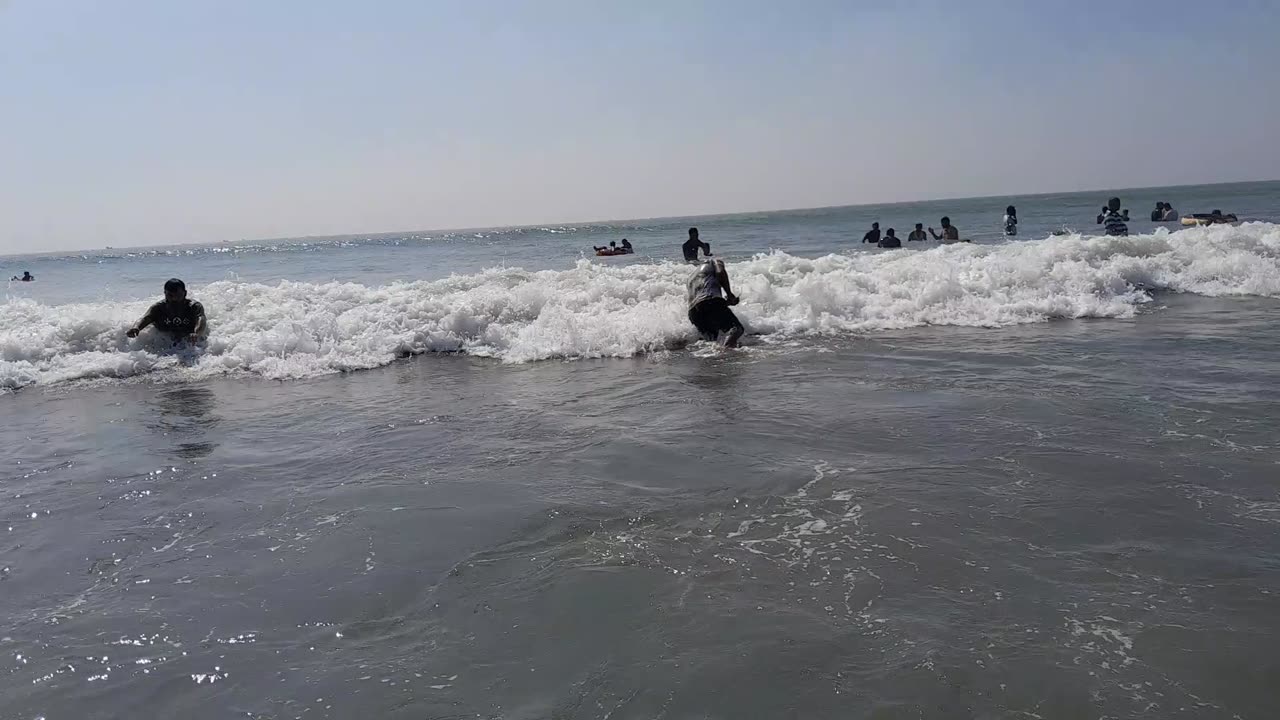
[(171, 121)]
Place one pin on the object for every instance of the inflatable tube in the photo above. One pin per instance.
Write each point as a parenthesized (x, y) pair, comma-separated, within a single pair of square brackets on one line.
[(610, 253), (1207, 219)]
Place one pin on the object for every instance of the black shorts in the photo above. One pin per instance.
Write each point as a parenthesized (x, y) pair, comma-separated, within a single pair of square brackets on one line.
[(712, 317)]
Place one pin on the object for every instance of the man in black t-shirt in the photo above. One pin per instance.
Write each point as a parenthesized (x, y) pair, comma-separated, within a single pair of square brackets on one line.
[(177, 316), (890, 240), (873, 235)]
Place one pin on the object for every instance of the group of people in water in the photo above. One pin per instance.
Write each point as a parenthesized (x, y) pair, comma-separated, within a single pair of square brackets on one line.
[(1164, 212), (1115, 221), (1112, 218), (890, 237), (709, 294), (615, 249), (710, 298)]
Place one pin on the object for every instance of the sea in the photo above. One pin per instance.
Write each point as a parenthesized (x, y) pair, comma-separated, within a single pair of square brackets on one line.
[(486, 474)]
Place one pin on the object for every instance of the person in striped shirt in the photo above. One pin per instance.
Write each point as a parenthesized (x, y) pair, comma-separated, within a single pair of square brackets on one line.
[(1112, 220)]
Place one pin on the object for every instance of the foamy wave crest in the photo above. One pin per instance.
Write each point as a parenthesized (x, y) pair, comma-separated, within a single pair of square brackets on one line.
[(296, 330)]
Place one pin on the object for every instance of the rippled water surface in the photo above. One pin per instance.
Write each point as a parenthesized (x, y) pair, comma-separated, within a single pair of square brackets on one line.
[(1034, 479)]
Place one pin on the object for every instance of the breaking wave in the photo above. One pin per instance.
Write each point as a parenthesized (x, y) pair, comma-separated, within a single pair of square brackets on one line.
[(298, 330)]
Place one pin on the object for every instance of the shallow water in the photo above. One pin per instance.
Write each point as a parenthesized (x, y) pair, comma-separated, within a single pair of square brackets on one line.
[(1054, 518), (1047, 519)]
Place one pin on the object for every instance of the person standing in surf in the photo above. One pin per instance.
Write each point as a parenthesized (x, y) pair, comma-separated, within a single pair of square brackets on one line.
[(1113, 221), (177, 316), (1011, 220), (917, 235), (873, 235), (709, 300), (949, 232), (692, 245)]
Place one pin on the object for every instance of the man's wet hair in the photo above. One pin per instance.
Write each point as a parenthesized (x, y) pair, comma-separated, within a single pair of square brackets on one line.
[(174, 285)]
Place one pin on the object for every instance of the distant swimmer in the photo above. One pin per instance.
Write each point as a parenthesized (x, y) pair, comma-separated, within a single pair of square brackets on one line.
[(1169, 213), (26, 276), (1112, 220), (1011, 220), (692, 245), (614, 249), (890, 240), (176, 315), (626, 245), (917, 234), (873, 235), (1157, 215), (949, 232), (709, 300)]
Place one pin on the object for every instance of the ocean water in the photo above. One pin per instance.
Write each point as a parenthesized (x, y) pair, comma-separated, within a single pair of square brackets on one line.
[(484, 474)]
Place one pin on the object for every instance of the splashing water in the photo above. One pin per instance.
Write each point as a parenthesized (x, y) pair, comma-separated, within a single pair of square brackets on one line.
[(299, 330)]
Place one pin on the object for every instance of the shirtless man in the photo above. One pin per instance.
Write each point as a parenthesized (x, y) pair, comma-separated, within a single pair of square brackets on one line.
[(949, 232), (692, 245)]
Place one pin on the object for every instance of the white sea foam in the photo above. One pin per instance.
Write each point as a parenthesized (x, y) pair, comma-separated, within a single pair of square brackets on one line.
[(296, 330)]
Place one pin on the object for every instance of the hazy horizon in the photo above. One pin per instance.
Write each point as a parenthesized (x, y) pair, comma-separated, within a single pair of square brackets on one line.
[(169, 124)]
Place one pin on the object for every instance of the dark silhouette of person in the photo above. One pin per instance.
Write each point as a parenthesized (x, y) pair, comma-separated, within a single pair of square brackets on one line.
[(692, 245)]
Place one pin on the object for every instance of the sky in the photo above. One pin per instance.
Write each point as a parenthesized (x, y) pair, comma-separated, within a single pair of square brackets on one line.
[(159, 122)]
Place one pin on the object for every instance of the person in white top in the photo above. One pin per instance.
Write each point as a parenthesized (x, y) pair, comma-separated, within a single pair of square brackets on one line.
[(1011, 220), (709, 301)]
